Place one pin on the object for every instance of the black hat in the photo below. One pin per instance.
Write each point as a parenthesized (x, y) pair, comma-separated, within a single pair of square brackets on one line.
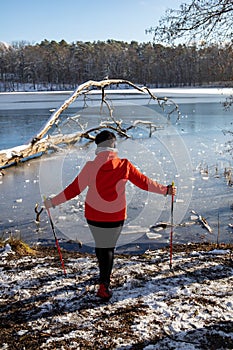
[(105, 138)]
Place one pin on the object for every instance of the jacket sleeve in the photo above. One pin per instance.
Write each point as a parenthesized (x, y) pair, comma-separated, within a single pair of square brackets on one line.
[(145, 183), (74, 188)]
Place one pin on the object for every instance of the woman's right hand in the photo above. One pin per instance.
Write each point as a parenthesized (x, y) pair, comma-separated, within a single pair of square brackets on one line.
[(48, 203)]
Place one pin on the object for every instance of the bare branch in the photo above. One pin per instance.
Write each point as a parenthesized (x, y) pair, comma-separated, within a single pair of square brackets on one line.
[(42, 143), (211, 19)]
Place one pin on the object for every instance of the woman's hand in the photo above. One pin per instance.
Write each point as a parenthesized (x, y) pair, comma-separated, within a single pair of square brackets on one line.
[(48, 203), (171, 190)]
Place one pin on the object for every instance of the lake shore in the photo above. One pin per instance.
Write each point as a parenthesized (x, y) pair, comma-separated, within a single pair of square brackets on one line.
[(153, 307)]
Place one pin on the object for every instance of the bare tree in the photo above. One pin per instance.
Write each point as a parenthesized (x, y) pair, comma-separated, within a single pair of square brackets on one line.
[(199, 21), (208, 20)]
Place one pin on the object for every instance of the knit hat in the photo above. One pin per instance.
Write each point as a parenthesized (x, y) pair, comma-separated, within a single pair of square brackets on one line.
[(105, 139)]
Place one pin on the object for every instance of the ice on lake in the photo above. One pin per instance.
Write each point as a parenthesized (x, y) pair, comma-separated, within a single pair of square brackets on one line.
[(191, 152)]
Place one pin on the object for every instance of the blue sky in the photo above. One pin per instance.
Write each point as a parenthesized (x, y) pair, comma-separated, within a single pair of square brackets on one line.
[(85, 20)]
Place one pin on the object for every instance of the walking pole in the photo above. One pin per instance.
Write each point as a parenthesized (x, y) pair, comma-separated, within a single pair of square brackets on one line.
[(55, 237), (172, 223)]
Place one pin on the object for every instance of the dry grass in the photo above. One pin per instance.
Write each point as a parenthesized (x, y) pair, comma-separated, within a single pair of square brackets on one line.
[(18, 246)]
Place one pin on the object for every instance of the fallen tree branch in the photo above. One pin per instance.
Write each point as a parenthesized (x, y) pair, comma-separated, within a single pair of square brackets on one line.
[(85, 88), (41, 143), (22, 153)]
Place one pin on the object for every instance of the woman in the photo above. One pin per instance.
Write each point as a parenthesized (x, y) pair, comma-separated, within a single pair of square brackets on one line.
[(105, 203)]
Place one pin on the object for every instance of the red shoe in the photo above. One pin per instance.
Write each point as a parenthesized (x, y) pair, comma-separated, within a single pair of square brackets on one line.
[(104, 292)]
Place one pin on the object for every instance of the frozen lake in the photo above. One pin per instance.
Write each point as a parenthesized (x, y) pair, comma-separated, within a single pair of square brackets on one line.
[(191, 151)]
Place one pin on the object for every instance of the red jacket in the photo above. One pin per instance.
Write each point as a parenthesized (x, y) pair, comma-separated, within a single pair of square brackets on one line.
[(106, 177)]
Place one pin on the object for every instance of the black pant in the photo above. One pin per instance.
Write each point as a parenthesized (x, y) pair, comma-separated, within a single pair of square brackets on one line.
[(105, 235), (105, 258)]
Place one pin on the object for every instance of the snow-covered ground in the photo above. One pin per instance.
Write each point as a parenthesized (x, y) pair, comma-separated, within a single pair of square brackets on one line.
[(153, 307)]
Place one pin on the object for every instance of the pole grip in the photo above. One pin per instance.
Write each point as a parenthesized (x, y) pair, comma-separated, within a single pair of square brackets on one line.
[(48, 211)]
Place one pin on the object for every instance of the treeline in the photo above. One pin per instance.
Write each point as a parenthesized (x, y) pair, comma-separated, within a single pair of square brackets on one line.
[(60, 65)]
